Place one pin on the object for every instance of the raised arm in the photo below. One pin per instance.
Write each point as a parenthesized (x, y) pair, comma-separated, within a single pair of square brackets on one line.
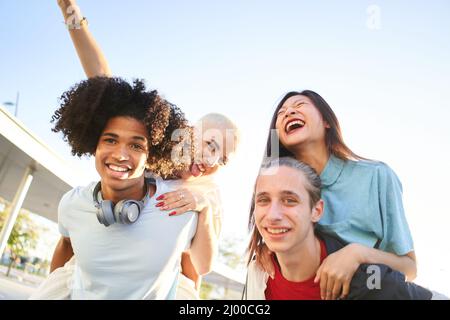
[(91, 56)]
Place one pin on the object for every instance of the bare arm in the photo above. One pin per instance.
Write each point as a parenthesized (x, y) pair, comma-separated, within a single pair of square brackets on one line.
[(188, 269), (63, 253), (204, 246), (405, 264), (91, 56)]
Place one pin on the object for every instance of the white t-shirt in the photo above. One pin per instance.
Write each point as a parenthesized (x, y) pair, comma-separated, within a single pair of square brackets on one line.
[(138, 261)]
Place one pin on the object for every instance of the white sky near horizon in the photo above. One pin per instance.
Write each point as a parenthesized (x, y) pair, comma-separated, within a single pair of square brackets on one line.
[(387, 80)]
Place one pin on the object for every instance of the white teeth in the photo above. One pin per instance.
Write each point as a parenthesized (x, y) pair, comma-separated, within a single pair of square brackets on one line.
[(117, 168), (277, 231), (301, 123)]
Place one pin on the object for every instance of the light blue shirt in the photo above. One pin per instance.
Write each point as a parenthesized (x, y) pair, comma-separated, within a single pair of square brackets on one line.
[(137, 261), (363, 203)]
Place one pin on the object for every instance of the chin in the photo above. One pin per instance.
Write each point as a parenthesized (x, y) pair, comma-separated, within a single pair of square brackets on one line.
[(292, 143), (276, 247), (115, 184)]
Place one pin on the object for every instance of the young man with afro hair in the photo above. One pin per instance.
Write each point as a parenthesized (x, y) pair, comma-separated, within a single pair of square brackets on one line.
[(125, 247)]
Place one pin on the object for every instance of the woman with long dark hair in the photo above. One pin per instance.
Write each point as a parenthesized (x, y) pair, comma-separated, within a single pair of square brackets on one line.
[(363, 198)]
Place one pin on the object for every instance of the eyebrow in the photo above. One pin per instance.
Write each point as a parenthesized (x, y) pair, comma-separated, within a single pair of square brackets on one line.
[(113, 135), (297, 103), (289, 193), (284, 192), (261, 194)]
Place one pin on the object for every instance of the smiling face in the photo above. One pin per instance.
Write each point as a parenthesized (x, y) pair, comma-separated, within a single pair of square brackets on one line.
[(282, 210), (121, 154), (215, 143), (299, 122)]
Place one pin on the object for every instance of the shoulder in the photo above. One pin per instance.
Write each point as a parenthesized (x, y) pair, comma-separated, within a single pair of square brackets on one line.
[(201, 183), (167, 185), (332, 242), (371, 167), (78, 194)]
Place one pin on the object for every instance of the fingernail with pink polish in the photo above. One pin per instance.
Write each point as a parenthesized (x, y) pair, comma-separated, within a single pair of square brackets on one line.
[(159, 204), (172, 213), (160, 197)]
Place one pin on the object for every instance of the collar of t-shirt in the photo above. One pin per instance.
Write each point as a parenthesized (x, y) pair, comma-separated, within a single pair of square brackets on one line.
[(332, 171), (280, 288)]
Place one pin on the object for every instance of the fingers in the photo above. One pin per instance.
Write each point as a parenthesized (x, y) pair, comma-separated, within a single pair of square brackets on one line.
[(345, 290), (168, 195), (175, 200), (329, 288), (171, 204), (336, 290), (323, 286), (180, 211)]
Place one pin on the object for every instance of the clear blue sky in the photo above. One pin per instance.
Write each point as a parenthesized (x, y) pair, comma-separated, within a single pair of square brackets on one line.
[(389, 87)]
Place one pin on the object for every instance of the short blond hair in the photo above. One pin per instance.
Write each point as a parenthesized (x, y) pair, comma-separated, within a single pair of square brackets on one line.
[(226, 123)]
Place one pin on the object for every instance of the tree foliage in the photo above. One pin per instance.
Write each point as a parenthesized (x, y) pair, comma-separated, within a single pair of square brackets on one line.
[(24, 236)]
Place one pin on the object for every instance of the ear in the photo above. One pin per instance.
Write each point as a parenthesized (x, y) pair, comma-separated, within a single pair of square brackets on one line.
[(326, 125), (317, 211)]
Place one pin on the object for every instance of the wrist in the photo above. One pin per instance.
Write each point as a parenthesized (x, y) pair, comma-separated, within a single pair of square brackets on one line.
[(360, 252), (71, 12)]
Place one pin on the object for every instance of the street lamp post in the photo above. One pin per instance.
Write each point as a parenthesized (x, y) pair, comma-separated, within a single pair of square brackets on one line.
[(16, 105)]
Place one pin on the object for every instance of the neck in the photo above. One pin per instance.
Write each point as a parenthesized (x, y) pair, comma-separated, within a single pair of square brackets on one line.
[(137, 192), (301, 264), (315, 155)]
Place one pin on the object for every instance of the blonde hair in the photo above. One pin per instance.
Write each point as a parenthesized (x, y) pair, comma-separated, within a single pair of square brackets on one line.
[(220, 120)]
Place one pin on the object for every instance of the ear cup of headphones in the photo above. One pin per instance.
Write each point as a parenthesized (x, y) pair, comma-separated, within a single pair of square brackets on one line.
[(105, 214), (127, 211)]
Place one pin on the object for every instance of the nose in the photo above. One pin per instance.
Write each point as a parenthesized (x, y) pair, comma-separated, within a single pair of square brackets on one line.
[(275, 212), (289, 111), (121, 153)]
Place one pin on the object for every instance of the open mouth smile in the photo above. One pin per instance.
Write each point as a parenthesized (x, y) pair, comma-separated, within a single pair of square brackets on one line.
[(118, 171), (293, 125)]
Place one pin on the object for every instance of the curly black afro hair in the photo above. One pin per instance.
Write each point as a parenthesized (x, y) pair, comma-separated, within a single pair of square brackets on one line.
[(86, 108)]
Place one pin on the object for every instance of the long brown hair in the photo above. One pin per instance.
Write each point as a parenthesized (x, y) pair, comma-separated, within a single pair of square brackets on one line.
[(333, 135)]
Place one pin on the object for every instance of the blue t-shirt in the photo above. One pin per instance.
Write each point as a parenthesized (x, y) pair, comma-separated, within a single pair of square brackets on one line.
[(363, 204), (137, 261)]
